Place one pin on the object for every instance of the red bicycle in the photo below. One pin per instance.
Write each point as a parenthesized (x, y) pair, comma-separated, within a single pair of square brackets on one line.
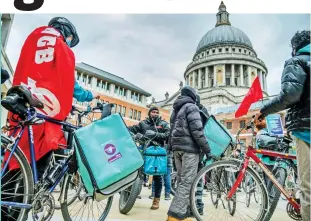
[(230, 173)]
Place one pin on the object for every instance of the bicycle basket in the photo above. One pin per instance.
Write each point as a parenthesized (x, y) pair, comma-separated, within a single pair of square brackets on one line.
[(217, 136), (108, 159)]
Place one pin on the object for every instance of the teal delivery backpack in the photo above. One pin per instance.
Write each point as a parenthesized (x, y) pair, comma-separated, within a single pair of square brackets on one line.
[(107, 157), (218, 137), (155, 161)]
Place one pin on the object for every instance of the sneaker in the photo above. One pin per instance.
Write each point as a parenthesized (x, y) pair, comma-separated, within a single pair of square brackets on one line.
[(167, 196), (201, 212)]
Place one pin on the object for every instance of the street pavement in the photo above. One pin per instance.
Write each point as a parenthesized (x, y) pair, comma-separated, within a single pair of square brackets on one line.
[(142, 212)]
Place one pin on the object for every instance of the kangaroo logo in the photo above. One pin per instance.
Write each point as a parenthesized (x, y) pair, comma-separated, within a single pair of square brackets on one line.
[(22, 6)]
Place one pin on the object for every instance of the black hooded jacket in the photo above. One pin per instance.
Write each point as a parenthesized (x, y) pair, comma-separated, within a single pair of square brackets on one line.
[(158, 125), (295, 93), (186, 126)]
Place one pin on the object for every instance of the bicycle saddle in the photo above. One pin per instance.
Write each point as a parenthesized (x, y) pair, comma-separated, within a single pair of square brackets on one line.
[(26, 94)]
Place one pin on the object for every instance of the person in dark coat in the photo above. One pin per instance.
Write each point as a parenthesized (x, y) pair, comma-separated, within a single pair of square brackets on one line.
[(154, 126), (295, 96), (187, 141), (4, 75)]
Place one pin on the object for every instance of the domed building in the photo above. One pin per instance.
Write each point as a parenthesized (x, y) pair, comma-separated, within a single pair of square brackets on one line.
[(223, 67)]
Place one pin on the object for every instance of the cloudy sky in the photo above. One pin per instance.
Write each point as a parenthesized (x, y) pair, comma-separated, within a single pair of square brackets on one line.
[(152, 51)]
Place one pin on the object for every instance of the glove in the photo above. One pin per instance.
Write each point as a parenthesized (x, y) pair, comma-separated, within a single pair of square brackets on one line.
[(209, 156), (150, 134), (138, 136)]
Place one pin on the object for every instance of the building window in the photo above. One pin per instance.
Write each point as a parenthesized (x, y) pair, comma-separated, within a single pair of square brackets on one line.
[(107, 87), (89, 80), (236, 81), (249, 53), (139, 115), (123, 111), (135, 115), (245, 51), (229, 125), (84, 79), (240, 50), (116, 89), (227, 81), (242, 123), (113, 109), (220, 49), (131, 114), (98, 84), (214, 51), (212, 82), (207, 52), (227, 49), (78, 76), (233, 49), (119, 109)]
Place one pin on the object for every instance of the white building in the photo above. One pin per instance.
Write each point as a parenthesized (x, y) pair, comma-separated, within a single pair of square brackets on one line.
[(223, 67), (6, 24)]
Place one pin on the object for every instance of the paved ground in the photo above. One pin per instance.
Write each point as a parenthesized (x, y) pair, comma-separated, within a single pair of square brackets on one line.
[(142, 211)]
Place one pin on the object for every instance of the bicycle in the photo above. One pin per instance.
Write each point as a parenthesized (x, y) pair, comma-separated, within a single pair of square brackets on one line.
[(240, 169), (29, 192), (128, 196)]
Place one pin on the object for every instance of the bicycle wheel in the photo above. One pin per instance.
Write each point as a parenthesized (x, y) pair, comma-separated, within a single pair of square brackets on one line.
[(128, 196), (74, 188), (16, 185), (229, 168), (274, 192), (85, 207)]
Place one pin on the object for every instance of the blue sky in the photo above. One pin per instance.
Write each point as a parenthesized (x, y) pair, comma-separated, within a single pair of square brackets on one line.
[(153, 50)]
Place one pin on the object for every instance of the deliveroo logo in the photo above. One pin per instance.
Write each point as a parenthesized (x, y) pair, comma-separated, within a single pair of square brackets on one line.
[(110, 151)]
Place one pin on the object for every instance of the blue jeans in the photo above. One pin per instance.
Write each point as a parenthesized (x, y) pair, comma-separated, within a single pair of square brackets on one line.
[(156, 192)]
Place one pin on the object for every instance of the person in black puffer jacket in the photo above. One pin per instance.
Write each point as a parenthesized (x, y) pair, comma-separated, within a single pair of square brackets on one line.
[(154, 126), (295, 95), (187, 141)]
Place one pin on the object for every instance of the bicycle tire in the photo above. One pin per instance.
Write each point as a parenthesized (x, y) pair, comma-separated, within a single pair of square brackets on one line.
[(57, 205), (64, 205), (230, 163), (126, 205), (25, 166), (280, 175)]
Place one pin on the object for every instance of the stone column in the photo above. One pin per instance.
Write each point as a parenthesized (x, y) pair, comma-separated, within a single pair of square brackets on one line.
[(232, 75), (260, 79), (224, 75), (206, 77), (249, 74), (215, 77), (241, 75), (265, 81), (200, 78), (193, 79)]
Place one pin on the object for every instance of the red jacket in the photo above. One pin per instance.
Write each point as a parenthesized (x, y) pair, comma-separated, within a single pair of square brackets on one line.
[(46, 66)]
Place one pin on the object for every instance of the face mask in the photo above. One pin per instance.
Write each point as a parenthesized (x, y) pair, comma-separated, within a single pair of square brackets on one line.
[(68, 42)]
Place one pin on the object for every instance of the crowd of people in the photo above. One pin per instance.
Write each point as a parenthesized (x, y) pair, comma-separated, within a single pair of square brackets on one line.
[(184, 134)]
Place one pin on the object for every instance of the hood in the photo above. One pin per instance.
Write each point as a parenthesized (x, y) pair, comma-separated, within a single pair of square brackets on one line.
[(190, 92), (304, 50), (181, 100)]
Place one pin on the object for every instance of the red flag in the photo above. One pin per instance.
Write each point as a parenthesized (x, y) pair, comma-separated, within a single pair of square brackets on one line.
[(46, 66), (254, 94)]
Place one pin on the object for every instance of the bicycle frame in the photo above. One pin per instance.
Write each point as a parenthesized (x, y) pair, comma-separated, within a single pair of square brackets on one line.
[(251, 154), (32, 153)]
